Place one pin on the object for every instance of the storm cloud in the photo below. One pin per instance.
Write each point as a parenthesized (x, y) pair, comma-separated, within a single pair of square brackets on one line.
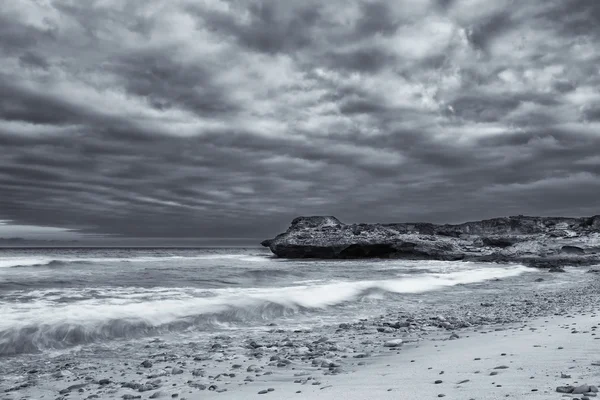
[(226, 118)]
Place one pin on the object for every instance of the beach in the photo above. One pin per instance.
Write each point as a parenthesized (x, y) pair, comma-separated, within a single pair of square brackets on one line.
[(494, 338)]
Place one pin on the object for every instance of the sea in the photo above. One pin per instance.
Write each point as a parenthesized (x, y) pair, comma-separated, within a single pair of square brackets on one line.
[(98, 299)]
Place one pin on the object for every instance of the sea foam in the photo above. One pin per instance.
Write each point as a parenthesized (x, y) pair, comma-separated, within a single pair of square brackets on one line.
[(74, 316)]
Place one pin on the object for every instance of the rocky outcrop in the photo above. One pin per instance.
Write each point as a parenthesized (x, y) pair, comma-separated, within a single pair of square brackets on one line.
[(537, 241)]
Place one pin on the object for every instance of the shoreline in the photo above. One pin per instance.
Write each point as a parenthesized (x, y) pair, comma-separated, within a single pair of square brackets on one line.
[(335, 358)]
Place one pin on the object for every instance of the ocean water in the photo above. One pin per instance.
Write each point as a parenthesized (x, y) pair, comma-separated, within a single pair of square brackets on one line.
[(60, 299)]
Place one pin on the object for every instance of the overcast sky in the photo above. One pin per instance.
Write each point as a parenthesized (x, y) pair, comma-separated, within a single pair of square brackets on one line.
[(208, 118)]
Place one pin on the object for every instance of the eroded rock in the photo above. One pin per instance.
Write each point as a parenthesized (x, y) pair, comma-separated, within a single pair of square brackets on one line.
[(543, 242)]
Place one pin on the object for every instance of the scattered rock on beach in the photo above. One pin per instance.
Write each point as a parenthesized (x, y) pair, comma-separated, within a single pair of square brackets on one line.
[(393, 343), (581, 389), (556, 269), (572, 250)]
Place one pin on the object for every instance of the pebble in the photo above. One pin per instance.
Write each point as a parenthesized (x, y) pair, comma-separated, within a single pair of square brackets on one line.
[(581, 389), (565, 389), (393, 343)]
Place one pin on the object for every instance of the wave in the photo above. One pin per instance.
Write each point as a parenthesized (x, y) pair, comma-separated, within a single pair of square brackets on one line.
[(22, 262), (38, 337), (114, 313), (262, 274)]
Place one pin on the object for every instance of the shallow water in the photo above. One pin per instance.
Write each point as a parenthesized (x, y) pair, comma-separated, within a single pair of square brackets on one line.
[(61, 298)]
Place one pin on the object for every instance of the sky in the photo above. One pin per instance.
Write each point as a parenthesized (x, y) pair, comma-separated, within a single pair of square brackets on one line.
[(227, 118)]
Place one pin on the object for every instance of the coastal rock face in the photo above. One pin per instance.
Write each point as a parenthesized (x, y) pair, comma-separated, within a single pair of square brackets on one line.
[(537, 241)]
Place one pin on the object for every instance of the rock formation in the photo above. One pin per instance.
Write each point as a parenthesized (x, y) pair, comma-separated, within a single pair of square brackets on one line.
[(536, 241)]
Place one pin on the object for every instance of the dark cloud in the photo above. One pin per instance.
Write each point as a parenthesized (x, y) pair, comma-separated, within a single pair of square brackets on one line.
[(577, 17), (268, 26), (20, 104), (165, 82), (482, 32), (368, 59), (591, 113), (445, 4), (29, 59), (17, 36), (376, 17), (228, 118)]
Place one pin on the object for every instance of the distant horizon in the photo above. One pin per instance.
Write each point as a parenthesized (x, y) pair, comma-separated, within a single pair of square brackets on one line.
[(131, 242), (113, 240)]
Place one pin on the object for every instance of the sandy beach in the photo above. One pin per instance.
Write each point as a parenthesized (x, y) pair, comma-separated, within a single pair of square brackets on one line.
[(523, 361), (493, 345)]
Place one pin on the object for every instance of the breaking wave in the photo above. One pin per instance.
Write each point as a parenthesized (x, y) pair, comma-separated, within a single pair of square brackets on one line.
[(21, 262), (60, 319)]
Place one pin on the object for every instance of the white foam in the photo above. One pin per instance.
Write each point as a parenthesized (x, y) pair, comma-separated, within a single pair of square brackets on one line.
[(159, 306), (335, 293), (7, 262)]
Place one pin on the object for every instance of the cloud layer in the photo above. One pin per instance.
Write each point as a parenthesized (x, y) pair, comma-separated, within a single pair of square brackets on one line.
[(228, 118)]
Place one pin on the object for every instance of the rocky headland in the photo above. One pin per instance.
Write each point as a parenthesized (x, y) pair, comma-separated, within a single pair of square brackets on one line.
[(547, 242)]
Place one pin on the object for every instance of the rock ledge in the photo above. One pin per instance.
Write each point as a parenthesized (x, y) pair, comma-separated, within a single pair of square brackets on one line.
[(537, 241)]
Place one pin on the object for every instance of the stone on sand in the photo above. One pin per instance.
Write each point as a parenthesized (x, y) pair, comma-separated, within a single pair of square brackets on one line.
[(393, 343)]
